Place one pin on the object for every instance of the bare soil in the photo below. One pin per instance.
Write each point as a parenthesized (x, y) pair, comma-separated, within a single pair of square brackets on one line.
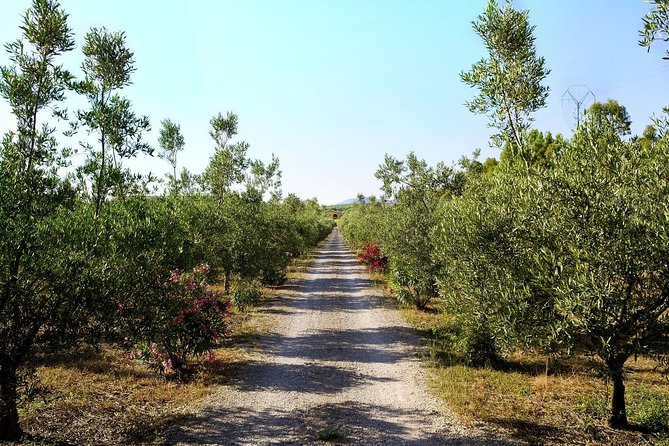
[(340, 365)]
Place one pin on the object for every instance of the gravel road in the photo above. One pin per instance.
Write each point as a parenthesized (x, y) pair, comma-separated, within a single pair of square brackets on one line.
[(340, 365)]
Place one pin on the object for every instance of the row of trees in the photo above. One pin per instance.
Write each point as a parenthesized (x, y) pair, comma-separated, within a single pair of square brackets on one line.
[(561, 246), (87, 254)]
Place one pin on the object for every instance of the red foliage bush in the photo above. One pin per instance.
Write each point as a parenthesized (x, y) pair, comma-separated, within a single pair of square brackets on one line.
[(372, 258)]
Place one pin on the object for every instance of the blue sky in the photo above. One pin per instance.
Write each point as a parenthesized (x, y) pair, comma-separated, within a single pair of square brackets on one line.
[(331, 86)]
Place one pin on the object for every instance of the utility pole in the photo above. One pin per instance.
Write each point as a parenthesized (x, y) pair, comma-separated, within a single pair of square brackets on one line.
[(578, 94)]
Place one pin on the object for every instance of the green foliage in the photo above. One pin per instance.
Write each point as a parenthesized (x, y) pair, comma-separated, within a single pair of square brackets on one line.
[(561, 246), (408, 286), (107, 67), (246, 295), (649, 410), (92, 256), (465, 341), (415, 189), (509, 81), (363, 223), (172, 142), (33, 298), (609, 118), (541, 150), (480, 249), (228, 164), (569, 257), (656, 25), (403, 223)]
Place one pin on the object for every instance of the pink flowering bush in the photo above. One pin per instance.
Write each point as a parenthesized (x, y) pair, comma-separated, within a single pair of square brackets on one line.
[(372, 258), (193, 321)]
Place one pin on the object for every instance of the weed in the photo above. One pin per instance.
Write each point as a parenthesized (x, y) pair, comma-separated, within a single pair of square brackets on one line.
[(649, 409), (331, 435)]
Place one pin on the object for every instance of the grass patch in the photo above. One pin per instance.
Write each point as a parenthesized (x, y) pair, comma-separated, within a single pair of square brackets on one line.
[(331, 435), (567, 405)]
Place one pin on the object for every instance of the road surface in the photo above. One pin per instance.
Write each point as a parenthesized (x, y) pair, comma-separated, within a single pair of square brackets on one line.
[(340, 366)]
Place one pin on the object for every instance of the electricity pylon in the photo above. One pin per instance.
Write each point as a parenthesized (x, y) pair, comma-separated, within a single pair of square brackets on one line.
[(578, 94)]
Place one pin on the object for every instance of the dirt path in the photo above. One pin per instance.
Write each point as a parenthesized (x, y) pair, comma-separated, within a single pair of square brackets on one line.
[(341, 365)]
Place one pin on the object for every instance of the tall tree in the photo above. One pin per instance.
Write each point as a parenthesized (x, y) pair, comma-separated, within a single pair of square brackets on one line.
[(509, 81), (228, 165), (541, 149), (31, 193), (172, 142), (609, 117), (107, 68)]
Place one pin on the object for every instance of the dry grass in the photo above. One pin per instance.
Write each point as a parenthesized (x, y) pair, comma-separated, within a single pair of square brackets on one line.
[(100, 397), (567, 405), (94, 398), (300, 265)]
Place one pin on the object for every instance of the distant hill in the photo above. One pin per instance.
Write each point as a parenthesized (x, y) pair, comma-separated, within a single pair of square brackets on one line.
[(350, 201)]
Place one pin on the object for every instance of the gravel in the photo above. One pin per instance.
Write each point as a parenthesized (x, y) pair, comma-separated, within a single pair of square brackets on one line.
[(341, 366)]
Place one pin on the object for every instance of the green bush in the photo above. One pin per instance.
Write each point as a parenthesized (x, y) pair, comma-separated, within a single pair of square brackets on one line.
[(246, 295)]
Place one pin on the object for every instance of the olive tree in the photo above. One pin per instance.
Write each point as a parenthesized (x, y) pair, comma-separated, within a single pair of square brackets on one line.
[(107, 67), (172, 142), (656, 25), (482, 245), (363, 223), (609, 273), (509, 81), (34, 305), (415, 190), (575, 257)]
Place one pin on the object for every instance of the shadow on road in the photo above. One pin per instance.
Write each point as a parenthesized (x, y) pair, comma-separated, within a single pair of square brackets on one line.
[(351, 422), (380, 345)]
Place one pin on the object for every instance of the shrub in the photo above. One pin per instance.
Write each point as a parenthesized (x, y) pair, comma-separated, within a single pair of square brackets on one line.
[(372, 258), (193, 322), (408, 286), (246, 295), (465, 341)]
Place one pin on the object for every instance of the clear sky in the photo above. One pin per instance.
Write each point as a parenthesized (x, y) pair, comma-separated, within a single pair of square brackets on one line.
[(331, 86)]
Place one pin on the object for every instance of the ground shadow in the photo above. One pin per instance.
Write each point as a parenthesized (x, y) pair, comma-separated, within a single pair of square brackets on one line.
[(353, 422), (302, 378), (370, 345)]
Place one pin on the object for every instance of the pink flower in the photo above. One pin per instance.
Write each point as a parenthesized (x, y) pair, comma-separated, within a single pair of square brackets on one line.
[(209, 357), (167, 364)]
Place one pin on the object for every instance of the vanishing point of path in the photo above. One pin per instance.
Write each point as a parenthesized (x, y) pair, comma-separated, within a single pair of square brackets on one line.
[(340, 365)]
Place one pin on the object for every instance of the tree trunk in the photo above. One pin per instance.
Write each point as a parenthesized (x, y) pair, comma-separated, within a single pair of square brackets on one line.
[(228, 275), (618, 412), (9, 416)]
